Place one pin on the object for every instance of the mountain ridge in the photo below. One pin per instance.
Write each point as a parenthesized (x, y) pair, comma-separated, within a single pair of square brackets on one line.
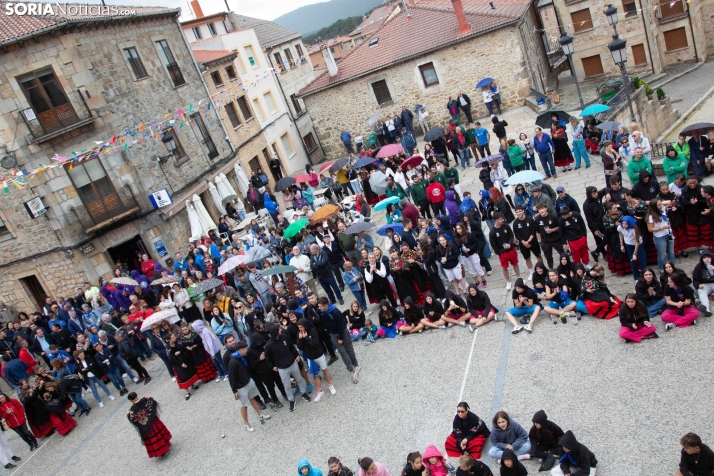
[(311, 18)]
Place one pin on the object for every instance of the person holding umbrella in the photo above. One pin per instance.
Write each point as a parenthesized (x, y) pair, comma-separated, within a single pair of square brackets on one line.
[(698, 150)]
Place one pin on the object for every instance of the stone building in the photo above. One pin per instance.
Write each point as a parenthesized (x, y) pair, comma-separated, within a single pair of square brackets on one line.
[(338, 48), (255, 61), (69, 83), (658, 33), (454, 48)]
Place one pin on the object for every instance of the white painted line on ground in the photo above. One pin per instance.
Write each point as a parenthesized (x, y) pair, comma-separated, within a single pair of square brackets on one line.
[(37, 450), (468, 366)]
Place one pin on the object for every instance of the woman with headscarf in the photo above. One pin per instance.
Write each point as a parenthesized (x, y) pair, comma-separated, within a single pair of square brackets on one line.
[(413, 317), (182, 363), (485, 208), (562, 156), (37, 416), (479, 306), (57, 405), (455, 310), (144, 416), (617, 260), (698, 223), (632, 242), (212, 347), (469, 433), (193, 343), (544, 436), (389, 320)]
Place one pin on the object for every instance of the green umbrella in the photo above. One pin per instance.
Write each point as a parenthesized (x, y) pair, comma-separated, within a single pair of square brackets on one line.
[(282, 269), (295, 228)]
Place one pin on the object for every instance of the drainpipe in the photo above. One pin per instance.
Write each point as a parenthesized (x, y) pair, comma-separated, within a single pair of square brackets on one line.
[(691, 28), (647, 35), (203, 81)]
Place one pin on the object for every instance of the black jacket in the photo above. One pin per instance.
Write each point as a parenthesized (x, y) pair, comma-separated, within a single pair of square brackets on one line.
[(635, 319), (547, 435), (550, 221), (594, 213), (499, 237), (158, 345), (573, 227), (524, 229), (643, 295), (280, 351), (472, 242), (701, 275), (238, 375), (584, 458), (334, 255), (91, 367), (320, 264), (452, 256), (126, 348), (504, 207), (256, 348), (499, 128), (310, 344), (701, 463), (646, 191), (333, 321), (36, 348)]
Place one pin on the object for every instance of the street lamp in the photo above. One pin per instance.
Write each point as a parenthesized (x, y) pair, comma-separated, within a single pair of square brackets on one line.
[(168, 141), (566, 43), (618, 50)]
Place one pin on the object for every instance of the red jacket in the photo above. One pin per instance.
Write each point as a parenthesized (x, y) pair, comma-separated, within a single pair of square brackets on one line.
[(29, 361), (435, 193), (13, 412), (147, 268)]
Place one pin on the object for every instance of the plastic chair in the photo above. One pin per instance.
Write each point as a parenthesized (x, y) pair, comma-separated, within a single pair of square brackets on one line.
[(318, 202)]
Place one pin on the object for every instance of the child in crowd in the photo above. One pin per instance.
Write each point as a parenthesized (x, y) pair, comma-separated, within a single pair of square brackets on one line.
[(337, 469), (510, 466), (435, 463), (472, 467), (306, 469), (371, 330)]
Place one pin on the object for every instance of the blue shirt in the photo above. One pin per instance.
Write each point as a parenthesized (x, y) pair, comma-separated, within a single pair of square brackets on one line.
[(481, 136), (542, 145), (345, 137)]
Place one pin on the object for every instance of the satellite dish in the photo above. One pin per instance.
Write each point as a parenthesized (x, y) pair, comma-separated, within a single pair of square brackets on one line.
[(8, 161)]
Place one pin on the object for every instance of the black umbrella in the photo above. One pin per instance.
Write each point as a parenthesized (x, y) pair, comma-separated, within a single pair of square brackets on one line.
[(359, 227), (544, 120), (284, 183), (433, 134), (701, 127), (339, 164)]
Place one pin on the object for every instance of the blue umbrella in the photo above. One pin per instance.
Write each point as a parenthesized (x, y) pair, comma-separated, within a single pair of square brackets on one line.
[(489, 159), (383, 204), (484, 82), (364, 161), (397, 227), (593, 109), (524, 176)]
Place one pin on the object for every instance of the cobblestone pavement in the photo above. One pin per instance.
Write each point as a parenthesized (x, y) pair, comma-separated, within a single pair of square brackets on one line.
[(629, 404)]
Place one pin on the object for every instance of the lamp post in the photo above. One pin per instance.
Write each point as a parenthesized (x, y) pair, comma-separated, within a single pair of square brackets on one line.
[(168, 141), (618, 50), (566, 43)]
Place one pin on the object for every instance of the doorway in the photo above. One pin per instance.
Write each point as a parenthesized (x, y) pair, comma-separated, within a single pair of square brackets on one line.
[(128, 254), (34, 289)]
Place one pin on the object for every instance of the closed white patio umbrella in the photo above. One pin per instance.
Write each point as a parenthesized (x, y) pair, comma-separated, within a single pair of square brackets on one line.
[(216, 198), (225, 189), (242, 179), (197, 227), (202, 213)]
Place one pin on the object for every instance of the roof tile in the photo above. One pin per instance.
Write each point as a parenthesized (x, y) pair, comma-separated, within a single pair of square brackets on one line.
[(269, 33), (206, 56)]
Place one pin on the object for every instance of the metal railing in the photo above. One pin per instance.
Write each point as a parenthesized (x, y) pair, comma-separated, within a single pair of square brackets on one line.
[(116, 206), (669, 10)]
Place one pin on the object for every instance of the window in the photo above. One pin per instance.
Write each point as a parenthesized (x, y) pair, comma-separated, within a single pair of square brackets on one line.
[(217, 79), (212, 29), (275, 149), (244, 109), (95, 190), (231, 72), (258, 110), (675, 39), (232, 114), (309, 141), (298, 50), (287, 145), (251, 56), (381, 92), (289, 58), (266, 156), (332, 50), (296, 104), (48, 100), (179, 153), (373, 42), (668, 9), (638, 54), (581, 20), (254, 164), (206, 138), (592, 66), (269, 101), (137, 66), (197, 32), (428, 74), (167, 58), (239, 62), (279, 61), (630, 8), (3, 228)]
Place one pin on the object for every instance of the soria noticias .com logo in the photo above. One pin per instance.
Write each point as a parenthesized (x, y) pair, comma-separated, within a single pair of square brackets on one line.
[(65, 9)]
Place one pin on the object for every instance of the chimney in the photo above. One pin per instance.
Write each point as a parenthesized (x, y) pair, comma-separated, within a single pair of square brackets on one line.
[(196, 7), (460, 17), (329, 59)]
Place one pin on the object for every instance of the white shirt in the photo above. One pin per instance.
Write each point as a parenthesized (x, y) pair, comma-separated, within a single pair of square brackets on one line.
[(487, 97), (380, 270), (390, 125), (660, 233), (399, 178), (628, 235), (462, 101), (302, 262), (84, 364)]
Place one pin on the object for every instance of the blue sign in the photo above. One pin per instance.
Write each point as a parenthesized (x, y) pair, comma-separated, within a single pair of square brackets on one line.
[(160, 248), (160, 198)]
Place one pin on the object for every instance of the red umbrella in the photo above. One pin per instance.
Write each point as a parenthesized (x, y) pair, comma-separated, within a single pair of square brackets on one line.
[(414, 161), (390, 150), (302, 178), (326, 165)]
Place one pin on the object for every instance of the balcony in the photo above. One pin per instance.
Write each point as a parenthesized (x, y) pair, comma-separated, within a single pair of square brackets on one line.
[(670, 11), (116, 206)]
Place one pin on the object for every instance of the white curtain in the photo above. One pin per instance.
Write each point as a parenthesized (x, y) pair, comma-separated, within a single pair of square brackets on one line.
[(203, 215), (242, 179), (216, 198), (197, 227), (225, 189)]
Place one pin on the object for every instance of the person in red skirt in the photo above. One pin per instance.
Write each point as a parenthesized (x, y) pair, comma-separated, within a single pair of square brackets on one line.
[(699, 231), (37, 417), (183, 366), (57, 407), (193, 343), (144, 415), (469, 433)]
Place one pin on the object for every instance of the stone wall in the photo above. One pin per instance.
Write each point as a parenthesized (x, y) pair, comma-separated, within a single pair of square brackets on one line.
[(348, 105), (656, 116), (706, 16)]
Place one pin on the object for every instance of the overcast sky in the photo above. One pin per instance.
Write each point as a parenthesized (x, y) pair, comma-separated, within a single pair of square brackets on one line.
[(265, 9)]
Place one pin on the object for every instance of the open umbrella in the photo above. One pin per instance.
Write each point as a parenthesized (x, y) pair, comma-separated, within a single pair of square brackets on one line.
[(326, 165), (372, 120), (257, 253), (364, 161), (483, 83), (242, 178), (339, 164), (701, 127), (544, 120), (359, 227), (608, 126), (225, 189), (524, 176), (383, 204), (230, 264), (397, 227), (433, 134), (489, 158), (378, 182), (390, 150), (593, 109), (323, 212), (295, 227), (169, 315), (414, 161), (302, 178), (216, 197), (282, 269), (203, 286), (284, 183), (125, 281), (166, 280)]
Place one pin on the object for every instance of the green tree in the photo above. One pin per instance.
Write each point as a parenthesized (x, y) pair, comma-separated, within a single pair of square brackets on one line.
[(339, 28)]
